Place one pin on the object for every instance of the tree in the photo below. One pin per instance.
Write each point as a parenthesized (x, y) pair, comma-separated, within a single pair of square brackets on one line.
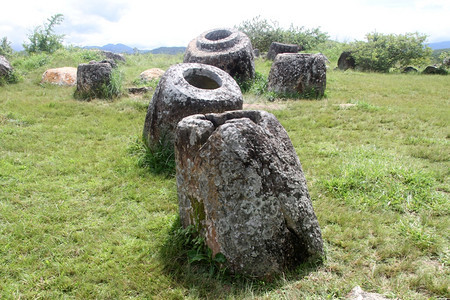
[(383, 52), (43, 38), (5, 47), (263, 32)]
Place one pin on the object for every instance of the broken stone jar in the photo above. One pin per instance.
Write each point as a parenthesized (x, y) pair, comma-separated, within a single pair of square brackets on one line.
[(298, 73), (241, 184), (184, 90), (225, 48), (92, 78)]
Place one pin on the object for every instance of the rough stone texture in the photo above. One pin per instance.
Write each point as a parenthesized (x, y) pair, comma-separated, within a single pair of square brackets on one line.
[(434, 70), (139, 90), (5, 66), (241, 184), (184, 90), (92, 77), (151, 74), (346, 61), (358, 294), (277, 48), (225, 48), (114, 56), (60, 76), (410, 70), (298, 73)]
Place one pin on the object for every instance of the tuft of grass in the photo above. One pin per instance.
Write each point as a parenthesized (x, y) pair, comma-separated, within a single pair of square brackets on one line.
[(159, 159)]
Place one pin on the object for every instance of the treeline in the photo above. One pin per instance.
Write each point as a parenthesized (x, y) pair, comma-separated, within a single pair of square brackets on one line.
[(379, 52)]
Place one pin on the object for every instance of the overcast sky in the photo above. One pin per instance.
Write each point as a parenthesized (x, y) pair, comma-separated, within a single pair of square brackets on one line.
[(151, 24)]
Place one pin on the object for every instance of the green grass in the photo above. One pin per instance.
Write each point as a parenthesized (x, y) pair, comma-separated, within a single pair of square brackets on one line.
[(81, 218)]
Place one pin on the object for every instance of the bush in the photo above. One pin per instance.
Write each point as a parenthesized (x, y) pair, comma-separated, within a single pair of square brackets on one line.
[(382, 52), (263, 32), (31, 62), (5, 47), (43, 39)]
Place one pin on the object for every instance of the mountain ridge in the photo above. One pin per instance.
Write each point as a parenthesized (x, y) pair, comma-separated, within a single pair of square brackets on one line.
[(439, 45)]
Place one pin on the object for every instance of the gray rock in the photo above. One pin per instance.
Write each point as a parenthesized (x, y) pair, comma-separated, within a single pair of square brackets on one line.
[(5, 66), (241, 184), (277, 48), (114, 56), (434, 71), (92, 79), (225, 48), (184, 90), (358, 294), (410, 70), (139, 90), (301, 73), (110, 61), (346, 61)]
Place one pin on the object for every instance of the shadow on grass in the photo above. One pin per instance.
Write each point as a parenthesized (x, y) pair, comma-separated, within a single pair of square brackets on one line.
[(205, 278)]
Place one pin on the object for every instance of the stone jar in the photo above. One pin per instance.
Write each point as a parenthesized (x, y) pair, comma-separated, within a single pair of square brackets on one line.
[(5, 66), (225, 48), (277, 48), (346, 61), (92, 79), (303, 74), (184, 90), (241, 184)]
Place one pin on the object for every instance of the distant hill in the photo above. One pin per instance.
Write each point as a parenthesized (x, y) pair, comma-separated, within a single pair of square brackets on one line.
[(121, 48), (440, 45), (168, 50), (117, 48)]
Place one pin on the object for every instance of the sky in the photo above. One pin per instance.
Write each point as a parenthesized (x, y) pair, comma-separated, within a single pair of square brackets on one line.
[(151, 24)]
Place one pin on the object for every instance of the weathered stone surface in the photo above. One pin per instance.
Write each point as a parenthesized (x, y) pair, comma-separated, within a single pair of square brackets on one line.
[(410, 70), (434, 70), (114, 56), (277, 48), (151, 74), (139, 90), (92, 78), (357, 293), (346, 61), (298, 73), (60, 76), (5, 66), (241, 183), (184, 90), (225, 48)]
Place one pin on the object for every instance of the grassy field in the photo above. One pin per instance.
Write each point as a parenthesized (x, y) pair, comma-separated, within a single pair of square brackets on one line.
[(79, 217)]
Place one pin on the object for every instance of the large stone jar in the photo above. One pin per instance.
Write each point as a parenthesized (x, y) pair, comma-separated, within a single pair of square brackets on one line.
[(93, 78), (225, 48), (184, 90), (303, 74), (240, 183)]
